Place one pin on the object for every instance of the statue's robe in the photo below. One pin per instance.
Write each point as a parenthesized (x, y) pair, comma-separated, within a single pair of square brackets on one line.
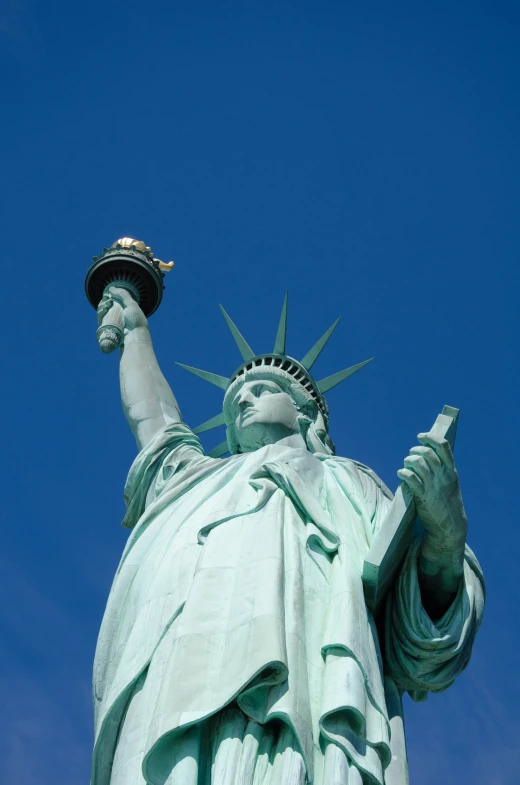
[(236, 647)]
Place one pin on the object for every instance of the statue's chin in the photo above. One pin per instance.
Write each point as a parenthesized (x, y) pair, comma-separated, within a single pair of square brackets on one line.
[(255, 435)]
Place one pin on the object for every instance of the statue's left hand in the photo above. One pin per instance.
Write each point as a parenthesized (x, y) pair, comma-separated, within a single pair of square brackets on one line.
[(430, 474)]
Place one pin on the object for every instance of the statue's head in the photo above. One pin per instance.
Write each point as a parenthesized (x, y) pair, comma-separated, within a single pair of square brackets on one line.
[(272, 396)]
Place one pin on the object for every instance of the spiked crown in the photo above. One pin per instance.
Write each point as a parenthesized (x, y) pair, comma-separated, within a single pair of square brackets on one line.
[(276, 363)]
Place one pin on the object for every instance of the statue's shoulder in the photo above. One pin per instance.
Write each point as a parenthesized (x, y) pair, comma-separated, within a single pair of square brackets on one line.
[(366, 475)]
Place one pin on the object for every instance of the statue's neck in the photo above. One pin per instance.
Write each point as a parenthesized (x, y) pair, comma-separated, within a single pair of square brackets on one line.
[(294, 441)]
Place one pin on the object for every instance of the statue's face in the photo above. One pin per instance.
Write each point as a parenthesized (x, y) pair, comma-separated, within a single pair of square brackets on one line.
[(263, 414)]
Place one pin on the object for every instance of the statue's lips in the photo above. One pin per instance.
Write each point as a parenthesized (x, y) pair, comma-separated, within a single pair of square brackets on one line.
[(247, 413)]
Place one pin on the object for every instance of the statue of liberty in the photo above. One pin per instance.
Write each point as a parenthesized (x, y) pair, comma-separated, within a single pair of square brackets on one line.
[(237, 647)]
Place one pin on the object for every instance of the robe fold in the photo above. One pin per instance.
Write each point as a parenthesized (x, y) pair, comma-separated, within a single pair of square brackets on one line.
[(237, 648)]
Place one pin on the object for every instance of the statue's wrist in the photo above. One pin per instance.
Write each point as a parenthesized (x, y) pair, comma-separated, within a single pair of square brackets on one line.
[(445, 551), (138, 334)]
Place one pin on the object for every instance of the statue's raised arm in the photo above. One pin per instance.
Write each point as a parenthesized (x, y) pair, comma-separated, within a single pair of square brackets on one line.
[(125, 284), (148, 402)]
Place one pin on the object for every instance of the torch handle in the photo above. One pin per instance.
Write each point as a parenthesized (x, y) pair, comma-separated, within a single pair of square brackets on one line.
[(113, 316), (110, 333)]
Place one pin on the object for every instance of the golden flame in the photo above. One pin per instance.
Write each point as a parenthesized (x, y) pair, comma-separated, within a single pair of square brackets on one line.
[(127, 242)]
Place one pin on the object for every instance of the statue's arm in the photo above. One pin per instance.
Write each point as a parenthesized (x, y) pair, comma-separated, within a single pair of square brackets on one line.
[(148, 402), (423, 654), (440, 571), (430, 474)]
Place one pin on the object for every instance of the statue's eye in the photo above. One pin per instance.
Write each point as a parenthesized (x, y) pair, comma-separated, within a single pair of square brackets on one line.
[(264, 390)]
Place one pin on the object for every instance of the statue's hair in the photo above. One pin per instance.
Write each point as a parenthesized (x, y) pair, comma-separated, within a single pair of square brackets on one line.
[(313, 423)]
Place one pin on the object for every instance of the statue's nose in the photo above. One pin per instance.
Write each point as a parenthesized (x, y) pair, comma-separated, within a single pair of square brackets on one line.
[(246, 400)]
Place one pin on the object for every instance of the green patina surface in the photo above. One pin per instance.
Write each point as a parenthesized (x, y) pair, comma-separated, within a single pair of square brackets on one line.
[(272, 606)]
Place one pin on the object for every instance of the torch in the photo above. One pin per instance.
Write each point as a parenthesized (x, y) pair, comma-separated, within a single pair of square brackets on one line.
[(131, 265)]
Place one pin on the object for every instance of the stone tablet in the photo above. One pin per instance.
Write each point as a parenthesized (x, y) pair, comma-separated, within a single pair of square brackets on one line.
[(393, 538)]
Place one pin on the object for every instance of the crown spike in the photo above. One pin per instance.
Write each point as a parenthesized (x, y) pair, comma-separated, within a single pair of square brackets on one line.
[(331, 381), (243, 347), (210, 424), (212, 378), (219, 450), (313, 354), (279, 344)]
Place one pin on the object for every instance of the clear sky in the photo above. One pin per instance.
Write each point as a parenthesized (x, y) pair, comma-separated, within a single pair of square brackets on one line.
[(364, 156)]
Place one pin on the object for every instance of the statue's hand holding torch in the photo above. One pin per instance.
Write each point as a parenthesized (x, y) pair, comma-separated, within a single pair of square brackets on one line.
[(117, 314)]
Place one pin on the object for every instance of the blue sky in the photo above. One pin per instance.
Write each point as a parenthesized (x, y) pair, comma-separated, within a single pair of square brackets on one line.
[(364, 156)]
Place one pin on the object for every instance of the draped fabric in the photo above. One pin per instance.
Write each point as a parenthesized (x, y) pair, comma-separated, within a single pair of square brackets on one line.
[(426, 656), (227, 748), (236, 646)]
